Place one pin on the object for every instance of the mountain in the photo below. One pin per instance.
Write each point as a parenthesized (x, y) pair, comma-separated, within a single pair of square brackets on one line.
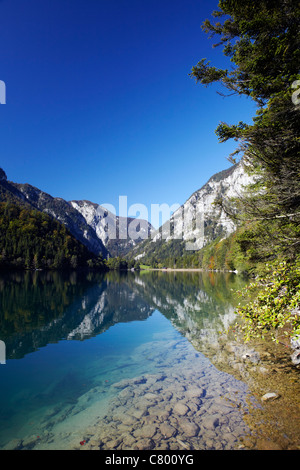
[(199, 220), (89, 223), (114, 231), (31, 239), (8, 193), (57, 208)]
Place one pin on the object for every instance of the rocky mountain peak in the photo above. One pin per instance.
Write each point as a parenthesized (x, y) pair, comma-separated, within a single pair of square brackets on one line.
[(3, 176), (199, 220)]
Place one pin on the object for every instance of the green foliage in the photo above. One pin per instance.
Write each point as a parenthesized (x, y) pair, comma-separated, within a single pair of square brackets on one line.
[(116, 263), (262, 41), (273, 302), (263, 45), (30, 239), (121, 264), (223, 254)]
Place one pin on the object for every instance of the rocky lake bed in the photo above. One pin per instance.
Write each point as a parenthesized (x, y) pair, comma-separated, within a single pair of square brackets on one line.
[(179, 411), (184, 403)]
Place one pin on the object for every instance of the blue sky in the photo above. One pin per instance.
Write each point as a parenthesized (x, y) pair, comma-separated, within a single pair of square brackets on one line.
[(99, 102)]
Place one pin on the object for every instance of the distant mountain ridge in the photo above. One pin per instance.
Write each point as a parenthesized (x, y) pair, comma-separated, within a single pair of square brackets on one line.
[(87, 221), (62, 211), (90, 223), (199, 220)]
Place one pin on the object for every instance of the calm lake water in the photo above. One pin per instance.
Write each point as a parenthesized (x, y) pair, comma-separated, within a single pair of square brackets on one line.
[(107, 361)]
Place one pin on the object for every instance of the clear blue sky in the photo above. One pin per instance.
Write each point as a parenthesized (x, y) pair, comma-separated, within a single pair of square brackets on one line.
[(99, 100)]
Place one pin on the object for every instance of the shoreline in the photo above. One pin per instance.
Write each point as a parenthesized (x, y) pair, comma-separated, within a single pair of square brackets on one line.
[(202, 270)]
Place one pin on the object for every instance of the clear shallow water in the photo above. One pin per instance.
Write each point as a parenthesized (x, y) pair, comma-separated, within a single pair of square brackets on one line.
[(84, 352)]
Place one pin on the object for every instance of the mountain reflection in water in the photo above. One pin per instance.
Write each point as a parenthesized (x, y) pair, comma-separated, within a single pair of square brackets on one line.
[(38, 308)]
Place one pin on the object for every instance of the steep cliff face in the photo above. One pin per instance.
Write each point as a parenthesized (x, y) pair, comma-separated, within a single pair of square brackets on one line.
[(118, 234), (213, 221), (199, 220)]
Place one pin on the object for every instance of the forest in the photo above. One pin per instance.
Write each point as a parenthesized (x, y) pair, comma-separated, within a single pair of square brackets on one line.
[(30, 239)]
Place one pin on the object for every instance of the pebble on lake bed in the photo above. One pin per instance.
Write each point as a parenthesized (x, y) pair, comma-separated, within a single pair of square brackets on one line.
[(270, 396)]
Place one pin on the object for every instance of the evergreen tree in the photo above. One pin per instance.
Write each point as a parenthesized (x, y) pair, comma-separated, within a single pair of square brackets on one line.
[(262, 41)]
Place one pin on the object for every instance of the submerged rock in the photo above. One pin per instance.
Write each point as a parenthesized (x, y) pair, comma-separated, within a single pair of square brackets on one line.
[(189, 428), (144, 444), (180, 409), (295, 357), (295, 344), (167, 430), (270, 396)]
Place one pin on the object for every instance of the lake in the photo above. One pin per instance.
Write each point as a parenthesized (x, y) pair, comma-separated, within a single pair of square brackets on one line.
[(108, 361)]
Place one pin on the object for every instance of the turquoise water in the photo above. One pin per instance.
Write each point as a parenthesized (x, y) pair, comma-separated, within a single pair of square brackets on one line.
[(72, 338)]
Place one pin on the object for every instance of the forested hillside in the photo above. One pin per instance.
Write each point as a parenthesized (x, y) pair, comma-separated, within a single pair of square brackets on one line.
[(33, 240)]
